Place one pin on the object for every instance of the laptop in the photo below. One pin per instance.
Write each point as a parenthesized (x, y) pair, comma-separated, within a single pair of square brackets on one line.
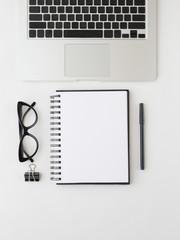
[(101, 40)]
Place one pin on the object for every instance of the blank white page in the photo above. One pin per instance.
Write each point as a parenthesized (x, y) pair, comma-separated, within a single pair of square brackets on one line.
[(94, 137)]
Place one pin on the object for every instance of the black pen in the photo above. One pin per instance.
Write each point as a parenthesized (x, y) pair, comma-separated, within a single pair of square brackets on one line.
[(141, 123)]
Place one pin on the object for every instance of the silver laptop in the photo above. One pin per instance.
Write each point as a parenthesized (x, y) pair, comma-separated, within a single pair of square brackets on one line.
[(69, 40)]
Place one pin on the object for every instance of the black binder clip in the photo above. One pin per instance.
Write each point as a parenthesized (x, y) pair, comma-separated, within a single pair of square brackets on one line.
[(31, 175)]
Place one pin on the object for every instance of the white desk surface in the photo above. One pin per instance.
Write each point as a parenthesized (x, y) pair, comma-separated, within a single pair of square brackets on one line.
[(149, 208)]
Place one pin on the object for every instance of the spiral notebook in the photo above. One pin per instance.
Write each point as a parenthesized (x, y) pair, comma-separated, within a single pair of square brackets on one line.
[(89, 137)]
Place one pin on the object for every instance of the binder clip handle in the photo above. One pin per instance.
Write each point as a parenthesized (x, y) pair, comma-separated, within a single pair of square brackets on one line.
[(31, 175)]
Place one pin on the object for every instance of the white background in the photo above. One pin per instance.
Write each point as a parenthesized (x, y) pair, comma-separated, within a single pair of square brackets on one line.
[(149, 208)]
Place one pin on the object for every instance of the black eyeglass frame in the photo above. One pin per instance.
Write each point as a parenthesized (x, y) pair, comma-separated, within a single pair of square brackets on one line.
[(23, 131)]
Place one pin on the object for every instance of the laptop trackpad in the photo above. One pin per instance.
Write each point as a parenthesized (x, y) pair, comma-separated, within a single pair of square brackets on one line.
[(87, 60)]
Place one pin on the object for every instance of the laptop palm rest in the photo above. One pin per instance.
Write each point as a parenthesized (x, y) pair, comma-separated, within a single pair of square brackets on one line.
[(87, 60)]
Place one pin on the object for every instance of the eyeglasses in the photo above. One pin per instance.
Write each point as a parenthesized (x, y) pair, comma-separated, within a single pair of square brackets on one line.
[(26, 138)]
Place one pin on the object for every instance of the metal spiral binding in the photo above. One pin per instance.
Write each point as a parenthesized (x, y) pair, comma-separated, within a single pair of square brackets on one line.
[(55, 137)]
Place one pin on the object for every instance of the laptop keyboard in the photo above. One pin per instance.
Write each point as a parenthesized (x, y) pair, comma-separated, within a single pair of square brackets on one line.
[(87, 19)]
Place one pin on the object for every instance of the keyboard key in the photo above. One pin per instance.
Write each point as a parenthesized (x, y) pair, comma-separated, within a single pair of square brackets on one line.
[(75, 25), (95, 17), (89, 2), (138, 17), (72, 2), (80, 2), (136, 25), (48, 2), (87, 17), (32, 2), (61, 10), (97, 2), (107, 25), (111, 17), (56, 2), (48, 33), (109, 9), (52, 9), (113, 2), (40, 33), (139, 2), (121, 2), (59, 25), (46, 17), (115, 25), (44, 10), (55, 17), (50, 25), (35, 17), (83, 25), (142, 10), (123, 25), (71, 17), (125, 35), (57, 33), (133, 34), (105, 2), (103, 17), (85, 10), (125, 9), (77, 9), (37, 25), (141, 35), (91, 25), (67, 25), (108, 33), (93, 9), (129, 2), (32, 33), (99, 25), (64, 2), (117, 10), (34, 9), (127, 17), (69, 9), (119, 17), (79, 17), (83, 33), (40, 2), (117, 33), (62, 17), (133, 9), (101, 9)]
